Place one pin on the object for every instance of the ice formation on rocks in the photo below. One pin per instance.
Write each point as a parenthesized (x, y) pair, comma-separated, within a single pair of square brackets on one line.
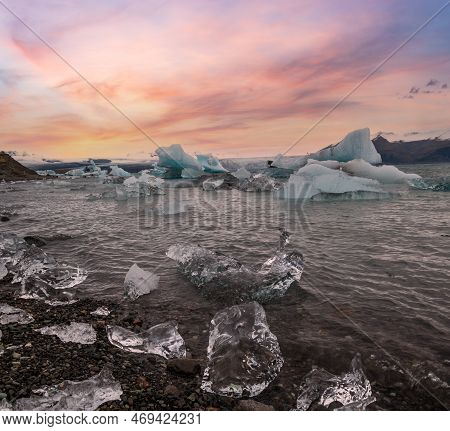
[(244, 357), (9, 314), (73, 396), (163, 340), (384, 174), (210, 164), (351, 390), (175, 157), (211, 184), (139, 282), (101, 311), (258, 183), (242, 174), (227, 279), (317, 182), (75, 332), (40, 275)]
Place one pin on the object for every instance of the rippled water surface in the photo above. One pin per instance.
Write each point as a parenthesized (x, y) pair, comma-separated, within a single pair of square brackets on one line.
[(376, 274)]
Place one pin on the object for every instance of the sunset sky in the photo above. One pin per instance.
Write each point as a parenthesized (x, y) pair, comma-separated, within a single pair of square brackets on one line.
[(236, 78)]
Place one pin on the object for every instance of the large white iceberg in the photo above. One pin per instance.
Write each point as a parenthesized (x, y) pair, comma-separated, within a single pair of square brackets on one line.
[(356, 145), (175, 157), (244, 356), (383, 174), (139, 282), (317, 182), (210, 164)]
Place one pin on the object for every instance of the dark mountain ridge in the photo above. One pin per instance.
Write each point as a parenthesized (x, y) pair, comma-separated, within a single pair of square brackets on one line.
[(12, 170)]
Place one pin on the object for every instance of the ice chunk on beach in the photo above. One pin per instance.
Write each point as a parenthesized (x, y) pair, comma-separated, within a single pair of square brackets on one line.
[(75, 332), (384, 174), (258, 183), (351, 390), (244, 356), (175, 157), (85, 395), (317, 182), (211, 184), (210, 164), (242, 174), (225, 278), (139, 282), (355, 145), (163, 340), (101, 311), (115, 171), (9, 314)]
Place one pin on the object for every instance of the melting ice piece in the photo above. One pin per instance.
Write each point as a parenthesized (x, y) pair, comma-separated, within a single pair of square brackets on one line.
[(383, 174), (225, 278), (139, 282), (75, 332), (258, 183), (101, 311), (175, 157), (210, 164), (317, 182), (144, 185), (356, 145), (211, 184), (242, 174), (163, 340), (69, 395), (243, 355), (351, 390), (10, 314)]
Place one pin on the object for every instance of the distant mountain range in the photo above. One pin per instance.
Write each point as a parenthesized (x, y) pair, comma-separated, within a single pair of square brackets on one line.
[(423, 151)]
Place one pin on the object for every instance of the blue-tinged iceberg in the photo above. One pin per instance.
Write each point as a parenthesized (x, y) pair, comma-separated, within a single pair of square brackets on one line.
[(210, 164), (175, 157)]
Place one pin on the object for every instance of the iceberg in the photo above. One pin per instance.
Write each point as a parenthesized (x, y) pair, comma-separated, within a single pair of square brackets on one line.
[(39, 274), (331, 164), (317, 182), (75, 332), (351, 390), (355, 145), (210, 164), (75, 173), (188, 173), (85, 395), (258, 183), (225, 278), (384, 174), (144, 185), (139, 282), (9, 314), (175, 157), (242, 174), (244, 356), (47, 172), (162, 340), (289, 162), (115, 171), (211, 184)]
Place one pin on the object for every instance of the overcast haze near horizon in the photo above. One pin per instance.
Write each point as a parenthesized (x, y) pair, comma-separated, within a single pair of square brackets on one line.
[(238, 79)]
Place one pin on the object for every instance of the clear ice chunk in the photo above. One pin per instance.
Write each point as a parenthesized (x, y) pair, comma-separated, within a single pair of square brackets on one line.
[(101, 311), (163, 340), (244, 356), (211, 184), (351, 390), (10, 314), (225, 278), (258, 183), (85, 395), (139, 282), (75, 332)]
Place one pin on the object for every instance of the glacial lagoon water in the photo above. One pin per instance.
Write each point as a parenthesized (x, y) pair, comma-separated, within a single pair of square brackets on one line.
[(376, 276)]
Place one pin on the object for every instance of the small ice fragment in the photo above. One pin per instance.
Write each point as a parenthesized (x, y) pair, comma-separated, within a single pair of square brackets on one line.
[(351, 390), (101, 311), (74, 396), (139, 282), (244, 357), (75, 332), (10, 314), (212, 184), (163, 340)]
